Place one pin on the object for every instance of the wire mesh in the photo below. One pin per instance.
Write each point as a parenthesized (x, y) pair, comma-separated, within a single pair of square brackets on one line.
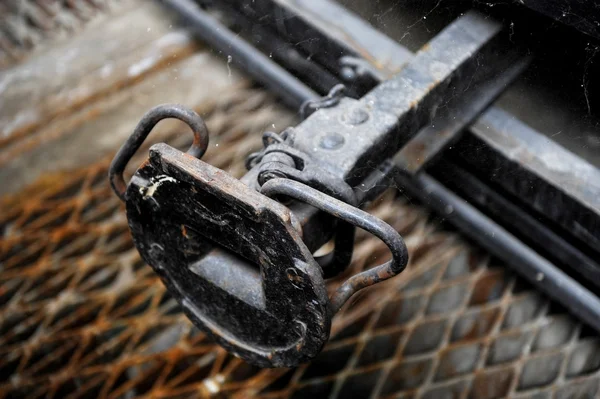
[(82, 316)]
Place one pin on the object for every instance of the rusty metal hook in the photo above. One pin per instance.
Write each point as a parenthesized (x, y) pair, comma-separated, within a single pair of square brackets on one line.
[(356, 217), (143, 129)]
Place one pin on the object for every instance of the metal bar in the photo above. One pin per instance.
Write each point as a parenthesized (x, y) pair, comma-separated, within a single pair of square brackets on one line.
[(543, 274), (375, 127), (283, 52), (517, 220), (542, 174), (240, 53), (449, 125), (328, 32)]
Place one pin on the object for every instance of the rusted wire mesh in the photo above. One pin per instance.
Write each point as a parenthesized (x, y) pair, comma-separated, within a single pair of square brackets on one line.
[(82, 316)]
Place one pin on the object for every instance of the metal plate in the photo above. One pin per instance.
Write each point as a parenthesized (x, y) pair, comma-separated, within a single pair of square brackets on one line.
[(176, 202)]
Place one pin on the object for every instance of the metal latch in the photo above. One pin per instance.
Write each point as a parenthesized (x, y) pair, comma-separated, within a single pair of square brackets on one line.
[(268, 302)]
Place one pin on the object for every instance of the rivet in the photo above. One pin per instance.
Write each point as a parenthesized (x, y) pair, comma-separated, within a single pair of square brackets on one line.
[(355, 116), (332, 141)]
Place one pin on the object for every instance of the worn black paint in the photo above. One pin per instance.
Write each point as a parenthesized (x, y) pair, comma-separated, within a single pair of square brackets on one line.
[(280, 317)]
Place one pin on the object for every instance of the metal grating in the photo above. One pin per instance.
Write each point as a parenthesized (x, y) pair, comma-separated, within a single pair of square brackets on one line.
[(82, 316), (460, 327)]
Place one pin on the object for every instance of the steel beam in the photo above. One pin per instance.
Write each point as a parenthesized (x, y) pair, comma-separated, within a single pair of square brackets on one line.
[(552, 181)]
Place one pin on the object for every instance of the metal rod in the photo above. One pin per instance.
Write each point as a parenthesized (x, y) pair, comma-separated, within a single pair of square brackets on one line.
[(293, 92), (529, 228), (284, 53), (354, 217), (487, 233)]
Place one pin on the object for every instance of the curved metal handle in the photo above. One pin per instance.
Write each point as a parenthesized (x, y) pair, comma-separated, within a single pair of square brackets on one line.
[(143, 129), (357, 217)]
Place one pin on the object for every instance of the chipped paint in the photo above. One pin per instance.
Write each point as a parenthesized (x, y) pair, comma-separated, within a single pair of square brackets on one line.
[(156, 182)]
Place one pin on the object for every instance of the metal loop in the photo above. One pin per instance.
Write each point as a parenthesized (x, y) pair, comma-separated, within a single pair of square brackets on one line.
[(143, 129), (356, 217), (332, 98), (271, 137), (268, 138), (280, 161), (339, 258)]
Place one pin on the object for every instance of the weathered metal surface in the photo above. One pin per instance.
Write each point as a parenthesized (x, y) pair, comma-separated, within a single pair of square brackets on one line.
[(281, 51), (350, 33), (333, 97), (450, 123), (174, 202), (549, 179), (333, 30), (278, 159), (355, 217), (390, 119)]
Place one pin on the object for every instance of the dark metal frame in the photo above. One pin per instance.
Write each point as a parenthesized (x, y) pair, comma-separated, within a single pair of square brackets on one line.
[(549, 181), (390, 133), (277, 315)]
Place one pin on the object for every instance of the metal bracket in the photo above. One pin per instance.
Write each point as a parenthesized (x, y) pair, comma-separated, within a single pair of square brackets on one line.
[(279, 160), (176, 205)]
